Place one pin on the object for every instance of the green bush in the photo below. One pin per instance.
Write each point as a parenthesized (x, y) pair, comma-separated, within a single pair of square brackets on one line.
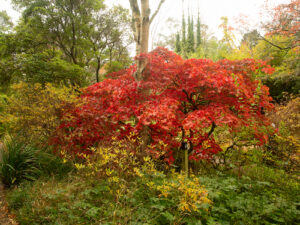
[(282, 84)]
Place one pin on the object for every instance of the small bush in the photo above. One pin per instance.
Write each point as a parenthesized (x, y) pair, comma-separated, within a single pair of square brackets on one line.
[(120, 160), (289, 113), (133, 179)]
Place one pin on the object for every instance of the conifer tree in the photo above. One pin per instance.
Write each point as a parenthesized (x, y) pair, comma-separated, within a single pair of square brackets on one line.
[(190, 37), (198, 31), (178, 44), (183, 35)]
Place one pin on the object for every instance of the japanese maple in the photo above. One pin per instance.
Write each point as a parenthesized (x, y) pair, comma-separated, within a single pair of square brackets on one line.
[(181, 102)]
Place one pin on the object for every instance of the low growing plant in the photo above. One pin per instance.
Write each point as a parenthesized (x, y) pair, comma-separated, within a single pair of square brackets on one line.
[(19, 162), (22, 161)]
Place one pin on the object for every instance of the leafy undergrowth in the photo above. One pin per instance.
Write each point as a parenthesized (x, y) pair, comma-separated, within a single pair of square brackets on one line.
[(244, 201), (78, 200)]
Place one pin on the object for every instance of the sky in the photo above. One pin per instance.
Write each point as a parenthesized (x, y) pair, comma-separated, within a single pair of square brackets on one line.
[(210, 13)]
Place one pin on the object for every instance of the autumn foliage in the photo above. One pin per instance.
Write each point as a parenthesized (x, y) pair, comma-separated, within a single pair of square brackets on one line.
[(179, 103)]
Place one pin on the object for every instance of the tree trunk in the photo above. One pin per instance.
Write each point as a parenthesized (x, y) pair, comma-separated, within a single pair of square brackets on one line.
[(97, 69), (141, 25)]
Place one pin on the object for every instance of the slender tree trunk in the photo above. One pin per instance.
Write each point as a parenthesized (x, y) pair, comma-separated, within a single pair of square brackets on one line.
[(144, 42), (141, 25), (97, 69)]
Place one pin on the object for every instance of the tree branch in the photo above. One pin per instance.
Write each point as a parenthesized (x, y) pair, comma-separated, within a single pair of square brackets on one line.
[(266, 40), (213, 126), (136, 23), (157, 10)]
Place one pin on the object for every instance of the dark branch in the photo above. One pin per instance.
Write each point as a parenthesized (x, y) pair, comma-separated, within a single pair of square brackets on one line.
[(157, 10), (213, 126), (281, 48)]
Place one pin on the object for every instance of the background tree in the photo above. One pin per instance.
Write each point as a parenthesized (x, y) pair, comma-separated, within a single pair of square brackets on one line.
[(178, 44), (251, 38), (190, 45), (228, 36), (107, 42), (63, 41), (284, 20), (183, 35), (64, 22), (5, 22), (198, 32), (282, 44)]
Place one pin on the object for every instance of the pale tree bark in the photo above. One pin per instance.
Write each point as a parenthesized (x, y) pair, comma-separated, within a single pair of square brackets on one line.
[(141, 25)]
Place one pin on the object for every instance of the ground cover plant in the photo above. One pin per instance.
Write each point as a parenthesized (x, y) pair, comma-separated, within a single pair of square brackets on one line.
[(79, 200)]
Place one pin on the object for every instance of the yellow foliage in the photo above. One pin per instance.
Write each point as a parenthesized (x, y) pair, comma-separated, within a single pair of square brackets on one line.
[(121, 160), (290, 115), (189, 192), (33, 111), (284, 147), (243, 52)]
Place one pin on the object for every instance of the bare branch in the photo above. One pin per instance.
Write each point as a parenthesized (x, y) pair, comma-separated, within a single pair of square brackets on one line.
[(134, 7), (157, 10)]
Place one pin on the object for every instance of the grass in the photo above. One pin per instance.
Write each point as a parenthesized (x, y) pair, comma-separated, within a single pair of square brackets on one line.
[(21, 161)]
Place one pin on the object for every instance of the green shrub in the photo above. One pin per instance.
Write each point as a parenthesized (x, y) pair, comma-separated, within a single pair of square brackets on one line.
[(279, 85)]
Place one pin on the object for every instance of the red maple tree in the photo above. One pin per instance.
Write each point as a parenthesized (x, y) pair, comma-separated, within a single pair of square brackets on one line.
[(284, 20), (181, 102)]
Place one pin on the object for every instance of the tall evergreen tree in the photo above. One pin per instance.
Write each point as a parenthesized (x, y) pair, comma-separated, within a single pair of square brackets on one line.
[(192, 34), (198, 31), (183, 38), (178, 44), (190, 37)]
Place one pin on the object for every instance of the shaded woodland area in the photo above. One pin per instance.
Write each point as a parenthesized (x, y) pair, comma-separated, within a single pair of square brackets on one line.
[(199, 130)]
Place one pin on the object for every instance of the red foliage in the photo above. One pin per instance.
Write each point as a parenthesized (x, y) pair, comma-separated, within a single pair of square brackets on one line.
[(180, 101), (285, 20)]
